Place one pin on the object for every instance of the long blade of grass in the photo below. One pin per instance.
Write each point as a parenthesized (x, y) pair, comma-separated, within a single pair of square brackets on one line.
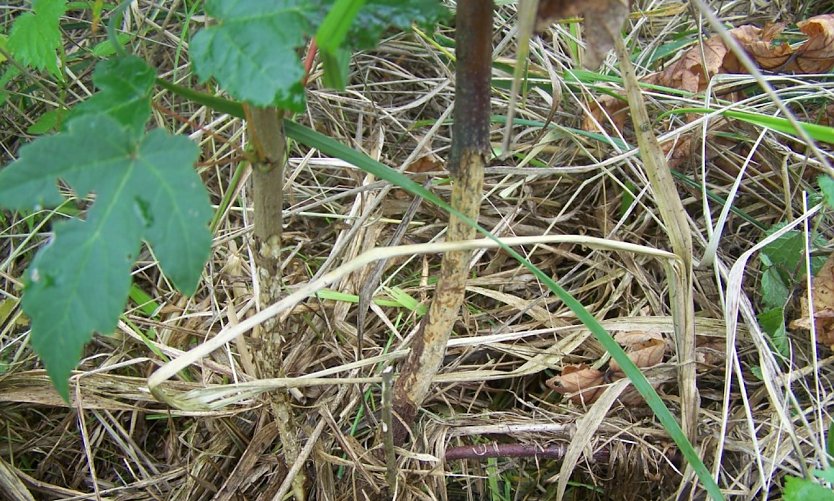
[(818, 132)]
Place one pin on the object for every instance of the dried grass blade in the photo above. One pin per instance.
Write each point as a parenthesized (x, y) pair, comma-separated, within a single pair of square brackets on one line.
[(677, 228)]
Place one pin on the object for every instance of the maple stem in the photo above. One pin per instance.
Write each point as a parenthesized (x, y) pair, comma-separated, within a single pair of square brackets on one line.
[(470, 145), (312, 50), (266, 129)]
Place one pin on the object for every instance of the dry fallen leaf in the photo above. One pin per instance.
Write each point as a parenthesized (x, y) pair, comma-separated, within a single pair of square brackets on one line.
[(426, 163), (692, 72), (584, 385), (581, 382), (694, 69), (602, 19), (816, 55), (645, 349), (822, 292)]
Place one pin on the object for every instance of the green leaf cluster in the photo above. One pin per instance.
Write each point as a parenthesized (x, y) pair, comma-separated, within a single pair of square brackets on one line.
[(252, 48), (145, 189), (800, 489), (35, 37), (783, 267)]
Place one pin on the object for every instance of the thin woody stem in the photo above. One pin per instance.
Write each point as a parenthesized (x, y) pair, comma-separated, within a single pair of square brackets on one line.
[(470, 145)]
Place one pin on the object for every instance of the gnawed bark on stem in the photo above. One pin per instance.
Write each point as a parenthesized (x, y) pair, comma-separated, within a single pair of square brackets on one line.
[(470, 145), (269, 142), (266, 130)]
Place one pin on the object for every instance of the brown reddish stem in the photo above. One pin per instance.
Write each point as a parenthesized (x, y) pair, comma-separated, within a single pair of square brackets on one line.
[(312, 50)]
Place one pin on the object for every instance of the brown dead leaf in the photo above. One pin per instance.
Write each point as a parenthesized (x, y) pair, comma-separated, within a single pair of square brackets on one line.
[(582, 383), (759, 44), (602, 19), (645, 349), (426, 163), (709, 353), (822, 292), (816, 55), (694, 69), (692, 72)]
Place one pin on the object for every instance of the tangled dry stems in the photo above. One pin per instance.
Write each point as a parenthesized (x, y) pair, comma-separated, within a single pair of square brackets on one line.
[(118, 442)]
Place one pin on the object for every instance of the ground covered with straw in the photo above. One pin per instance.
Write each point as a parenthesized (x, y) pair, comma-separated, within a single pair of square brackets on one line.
[(495, 393)]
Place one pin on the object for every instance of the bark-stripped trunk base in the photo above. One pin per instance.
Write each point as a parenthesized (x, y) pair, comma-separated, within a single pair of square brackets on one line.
[(269, 141), (429, 345)]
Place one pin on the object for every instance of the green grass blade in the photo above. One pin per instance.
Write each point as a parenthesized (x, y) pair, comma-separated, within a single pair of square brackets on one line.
[(821, 133), (336, 24)]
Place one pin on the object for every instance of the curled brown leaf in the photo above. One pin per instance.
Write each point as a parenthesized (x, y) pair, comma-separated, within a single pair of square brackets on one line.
[(645, 349), (580, 383)]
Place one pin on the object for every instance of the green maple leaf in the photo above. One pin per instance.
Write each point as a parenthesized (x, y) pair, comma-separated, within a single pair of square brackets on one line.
[(145, 187), (251, 51), (125, 86), (36, 36), (377, 16)]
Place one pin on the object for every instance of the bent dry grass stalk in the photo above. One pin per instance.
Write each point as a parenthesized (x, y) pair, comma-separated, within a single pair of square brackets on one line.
[(196, 354)]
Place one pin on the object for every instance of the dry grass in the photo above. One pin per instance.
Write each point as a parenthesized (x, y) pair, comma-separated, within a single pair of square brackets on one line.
[(117, 442)]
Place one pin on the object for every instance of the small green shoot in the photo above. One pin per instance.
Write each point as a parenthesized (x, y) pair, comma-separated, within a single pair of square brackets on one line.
[(35, 37), (800, 489), (783, 268)]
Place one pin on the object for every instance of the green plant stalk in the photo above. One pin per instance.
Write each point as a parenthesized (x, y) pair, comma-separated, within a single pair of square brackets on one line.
[(470, 146), (266, 130)]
